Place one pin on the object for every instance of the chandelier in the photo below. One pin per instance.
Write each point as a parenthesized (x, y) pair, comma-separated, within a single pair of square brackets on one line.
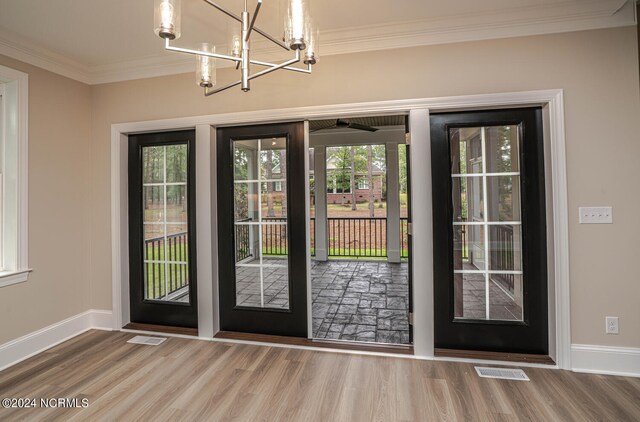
[(299, 36)]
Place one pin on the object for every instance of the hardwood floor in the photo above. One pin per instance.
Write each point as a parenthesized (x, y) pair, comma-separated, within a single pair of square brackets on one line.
[(185, 379)]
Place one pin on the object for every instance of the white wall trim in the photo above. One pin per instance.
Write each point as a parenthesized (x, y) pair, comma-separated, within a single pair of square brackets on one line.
[(421, 259), (560, 207), (120, 229), (15, 181), (622, 361), (553, 98), (7, 278), (511, 22), (22, 348), (204, 138)]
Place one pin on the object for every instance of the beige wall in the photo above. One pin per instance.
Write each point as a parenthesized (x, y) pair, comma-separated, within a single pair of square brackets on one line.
[(59, 243), (71, 238)]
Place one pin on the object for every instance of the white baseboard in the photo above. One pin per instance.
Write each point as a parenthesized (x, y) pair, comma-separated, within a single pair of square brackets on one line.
[(623, 361), (31, 344)]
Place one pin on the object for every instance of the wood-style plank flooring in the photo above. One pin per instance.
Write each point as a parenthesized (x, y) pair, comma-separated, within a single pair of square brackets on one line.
[(189, 380)]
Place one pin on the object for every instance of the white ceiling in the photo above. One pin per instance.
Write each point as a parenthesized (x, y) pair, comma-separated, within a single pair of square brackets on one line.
[(100, 41)]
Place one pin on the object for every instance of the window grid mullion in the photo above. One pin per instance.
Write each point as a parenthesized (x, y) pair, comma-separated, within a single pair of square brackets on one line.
[(166, 265), (486, 219)]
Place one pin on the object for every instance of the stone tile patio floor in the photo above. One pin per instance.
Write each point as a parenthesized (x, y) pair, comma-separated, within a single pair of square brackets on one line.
[(360, 301)]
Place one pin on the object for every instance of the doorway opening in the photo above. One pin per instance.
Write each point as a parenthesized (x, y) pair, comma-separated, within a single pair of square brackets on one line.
[(359, 222)]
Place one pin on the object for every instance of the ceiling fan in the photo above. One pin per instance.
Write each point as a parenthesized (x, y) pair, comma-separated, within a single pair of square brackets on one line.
[(341, 123)]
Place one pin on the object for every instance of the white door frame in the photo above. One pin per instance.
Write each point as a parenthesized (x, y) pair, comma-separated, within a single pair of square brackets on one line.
[(418, 110)]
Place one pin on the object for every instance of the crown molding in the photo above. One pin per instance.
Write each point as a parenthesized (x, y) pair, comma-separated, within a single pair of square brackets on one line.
[(516, 22), (19, 49)]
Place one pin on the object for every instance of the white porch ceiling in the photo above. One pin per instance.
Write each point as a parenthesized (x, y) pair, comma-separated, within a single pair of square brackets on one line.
[(104, 41)]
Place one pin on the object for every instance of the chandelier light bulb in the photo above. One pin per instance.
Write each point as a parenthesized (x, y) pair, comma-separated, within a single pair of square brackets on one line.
[(312, 53), (236, 46), (206, 68), (297, 21), (167, 16)]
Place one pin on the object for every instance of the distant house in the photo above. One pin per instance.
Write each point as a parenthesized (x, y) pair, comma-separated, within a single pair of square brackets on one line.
[(338, 191)]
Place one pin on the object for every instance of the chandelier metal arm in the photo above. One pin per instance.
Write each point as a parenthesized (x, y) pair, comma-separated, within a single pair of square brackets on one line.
[(168, 46), (208, 91), (253, 20), (276, 67), (239, 19), (272, 68), (294, 69)]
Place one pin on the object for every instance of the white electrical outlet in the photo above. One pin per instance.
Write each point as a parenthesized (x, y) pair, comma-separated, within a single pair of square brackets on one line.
[(596, 215), (612, 324)]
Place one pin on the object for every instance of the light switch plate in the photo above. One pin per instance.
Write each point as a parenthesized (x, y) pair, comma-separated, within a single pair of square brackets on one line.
[(596, 215)]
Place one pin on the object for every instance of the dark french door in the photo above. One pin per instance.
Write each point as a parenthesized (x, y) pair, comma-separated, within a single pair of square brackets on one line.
[(262, 229), (162, 267), (490, 262)]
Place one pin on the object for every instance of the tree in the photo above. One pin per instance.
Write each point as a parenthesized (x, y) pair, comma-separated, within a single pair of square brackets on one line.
[(370, 180), (269, 176), (341, 159), (283, 172), (353, 179), (241, 166)]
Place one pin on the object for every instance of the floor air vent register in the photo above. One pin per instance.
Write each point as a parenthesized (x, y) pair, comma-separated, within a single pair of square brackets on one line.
[(502, 373), (148, 341)]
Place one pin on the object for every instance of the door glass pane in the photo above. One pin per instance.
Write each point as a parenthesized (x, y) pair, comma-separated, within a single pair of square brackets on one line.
[(177, 204), (468, 199), (261, 231), (487, 254), (276, 285), (273, 160), (153, 202), (505, 247), (177, 163), (246, 201), (154, 241), (468, 247), (505, 297), (504, 192), (472, 288), (466, 150), (165, 252), (274, 201), (153, 164), (502, 149), (244, 154)]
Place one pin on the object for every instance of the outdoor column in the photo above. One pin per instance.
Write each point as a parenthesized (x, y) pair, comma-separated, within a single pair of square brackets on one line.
[(320, 175), (393, 204)]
